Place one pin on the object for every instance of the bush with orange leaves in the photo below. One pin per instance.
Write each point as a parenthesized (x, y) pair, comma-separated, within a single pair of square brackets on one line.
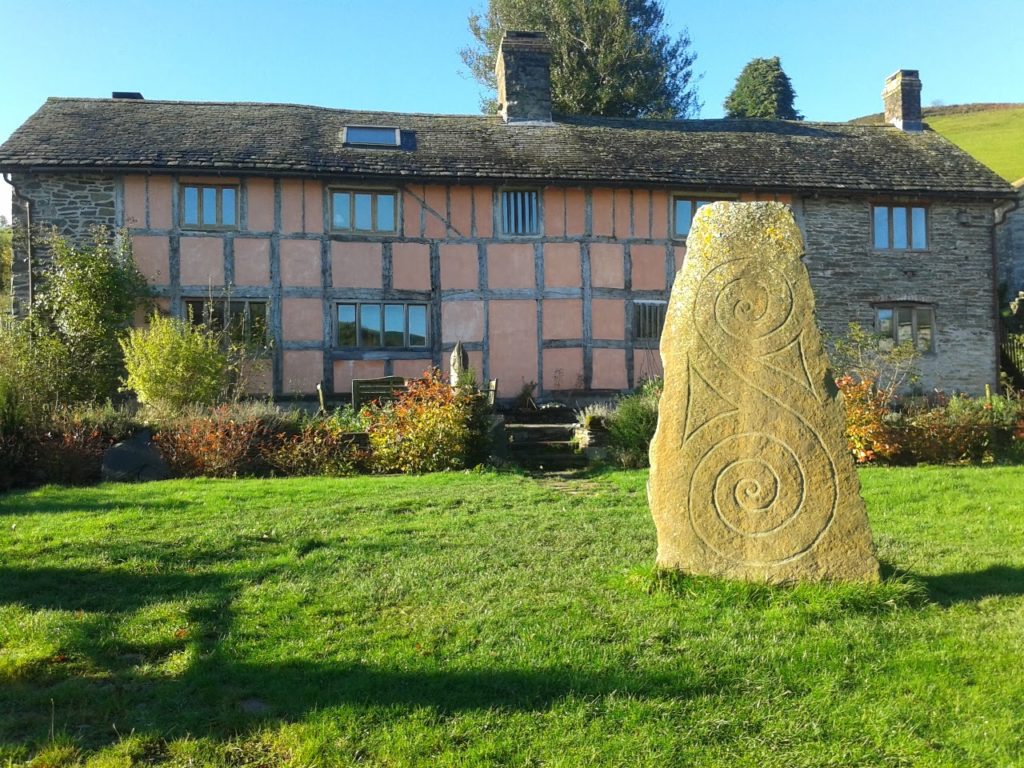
[(868, 435), (431, 427)]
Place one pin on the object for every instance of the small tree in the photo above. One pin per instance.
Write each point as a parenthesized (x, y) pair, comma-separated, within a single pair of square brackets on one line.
[(6, 263), (608, 57), (762, 90), (87, 299), (174, 363)]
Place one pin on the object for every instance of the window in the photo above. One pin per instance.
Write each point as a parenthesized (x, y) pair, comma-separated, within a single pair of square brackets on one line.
[(362, 211), (683, 210), (381, 324), (900, 227), (648, 318), (520, 212), (243, 320), (902, 323), (209, 207), (372, 136)]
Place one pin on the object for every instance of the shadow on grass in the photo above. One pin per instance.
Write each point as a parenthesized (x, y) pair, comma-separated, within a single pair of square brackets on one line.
[(38, 502), (967, 586), (96, 678)]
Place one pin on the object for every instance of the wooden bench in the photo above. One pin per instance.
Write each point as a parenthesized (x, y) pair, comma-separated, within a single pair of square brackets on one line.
[(383, 390)]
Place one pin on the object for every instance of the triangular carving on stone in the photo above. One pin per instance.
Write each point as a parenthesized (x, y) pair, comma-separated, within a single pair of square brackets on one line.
[(703, 403), (791, 363)]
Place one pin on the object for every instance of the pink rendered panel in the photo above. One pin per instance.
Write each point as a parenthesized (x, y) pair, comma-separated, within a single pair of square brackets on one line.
[(609, 369), (291, 205), (563, 368), (575, 212), (562, 318), (483, 211), (462, 321), (641, 213), (152, 259), (258, 376), (458, 265), (302, 319), (510, 265), (513, 349), (411, 210), (554, 212), (356, 265), (606, 265), (562, 265), (346, 370), (437, 212), (411, 369), (202, 261), (623, 214), (646, 365), (410, 266), (608, 319), (300, 262), (648, 267), (313, 204), (160, 202), (135, 201), (260, 204), (602, 211), (462, 211), (252, 261), (659, 215), (303, 370)]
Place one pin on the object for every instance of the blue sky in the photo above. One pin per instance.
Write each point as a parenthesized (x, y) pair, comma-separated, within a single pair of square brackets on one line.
[(403, 55)]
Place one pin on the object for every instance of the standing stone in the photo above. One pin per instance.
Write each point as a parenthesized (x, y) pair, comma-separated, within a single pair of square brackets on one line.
[(458, 364), (750, 475)]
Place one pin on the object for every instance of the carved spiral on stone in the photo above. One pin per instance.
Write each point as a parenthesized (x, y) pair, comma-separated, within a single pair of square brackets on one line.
[(760, 507), (748, 302)]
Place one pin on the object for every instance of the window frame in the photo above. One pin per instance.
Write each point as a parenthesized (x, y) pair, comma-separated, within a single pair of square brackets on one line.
[(916, 309), (375, 193), (219, 204), (382, 303), (226, 302), (909, 207), (397, 132), (697, 200), (648, 341), (539, 212)]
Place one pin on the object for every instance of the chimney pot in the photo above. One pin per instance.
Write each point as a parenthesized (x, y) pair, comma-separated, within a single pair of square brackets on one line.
[(523, 71), (902, 99)]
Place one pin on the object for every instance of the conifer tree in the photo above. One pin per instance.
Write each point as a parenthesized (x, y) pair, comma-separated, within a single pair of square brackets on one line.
[(763, 90)]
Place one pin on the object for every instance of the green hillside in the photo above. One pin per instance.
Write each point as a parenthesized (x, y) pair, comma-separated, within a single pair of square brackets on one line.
[(993, 135)]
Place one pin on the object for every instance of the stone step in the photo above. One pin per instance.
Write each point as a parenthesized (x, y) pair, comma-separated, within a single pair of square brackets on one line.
[(526, 433)]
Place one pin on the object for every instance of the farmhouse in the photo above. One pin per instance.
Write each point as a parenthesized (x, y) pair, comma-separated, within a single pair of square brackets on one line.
[(364, 244)]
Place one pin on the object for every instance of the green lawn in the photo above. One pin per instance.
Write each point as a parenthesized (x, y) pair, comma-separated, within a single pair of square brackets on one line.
[(993, 136), (489, 619)]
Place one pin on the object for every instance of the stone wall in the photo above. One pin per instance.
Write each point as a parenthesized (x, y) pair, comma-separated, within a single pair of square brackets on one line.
[(1010, 248), (70, 203), (954, 276)]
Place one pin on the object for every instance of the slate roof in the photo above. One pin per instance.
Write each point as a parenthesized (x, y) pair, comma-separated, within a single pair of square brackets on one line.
[(286, 139)]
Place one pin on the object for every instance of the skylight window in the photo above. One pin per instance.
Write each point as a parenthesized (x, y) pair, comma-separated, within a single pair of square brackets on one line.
[(372, 136)]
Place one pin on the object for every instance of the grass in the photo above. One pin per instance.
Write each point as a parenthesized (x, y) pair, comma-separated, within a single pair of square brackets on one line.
[(993, 136), (489, 619)]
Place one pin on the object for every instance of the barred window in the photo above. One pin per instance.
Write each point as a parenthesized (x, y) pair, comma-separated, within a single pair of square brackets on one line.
[(376, 324), (209, 207), (648, 319), (243, 320), (520, 213)]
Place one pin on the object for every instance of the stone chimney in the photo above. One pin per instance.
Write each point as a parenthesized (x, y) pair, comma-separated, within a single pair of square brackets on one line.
[(902, 99), (523, 70)]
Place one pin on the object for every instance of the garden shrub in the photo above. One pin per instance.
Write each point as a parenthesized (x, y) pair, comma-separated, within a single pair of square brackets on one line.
[(173, 364), (632, 423), (960, 429), (869, 435), (431, 427), (225, 441), (323, 445)]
